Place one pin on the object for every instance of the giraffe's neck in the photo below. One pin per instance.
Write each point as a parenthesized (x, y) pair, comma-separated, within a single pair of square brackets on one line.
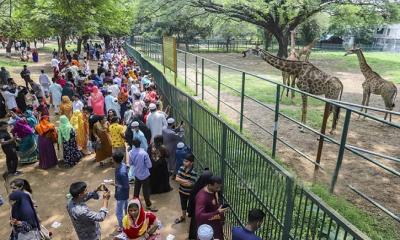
[(364, 67), (292, 67)]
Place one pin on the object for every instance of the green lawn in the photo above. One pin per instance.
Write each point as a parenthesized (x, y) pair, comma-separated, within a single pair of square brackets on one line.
[(8, 63), (385, 64)]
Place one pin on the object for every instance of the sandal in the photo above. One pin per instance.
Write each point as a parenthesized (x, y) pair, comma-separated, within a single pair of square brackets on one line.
[(180, 220)]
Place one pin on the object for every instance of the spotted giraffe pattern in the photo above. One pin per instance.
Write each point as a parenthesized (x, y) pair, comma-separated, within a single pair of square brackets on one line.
[(311, 80), (375, 84)]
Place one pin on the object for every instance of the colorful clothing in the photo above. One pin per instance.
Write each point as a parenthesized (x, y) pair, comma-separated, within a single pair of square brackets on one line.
[(66, 107), (117, 132), (27, 148), (97, 102), (81, 132), (47, 153), (66, 137), (104, 148)]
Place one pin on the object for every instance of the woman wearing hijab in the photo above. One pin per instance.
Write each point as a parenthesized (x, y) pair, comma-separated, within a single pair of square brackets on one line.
[(68, 90), (200, 184), (103, 145), (159, 175), (139, 224), (81, 132), (111, 114), (123, 100), (47, 137), (31, 119), (67, 138), (66, 107), (27, 148), (24, 220), (97, 102), (61, 81)]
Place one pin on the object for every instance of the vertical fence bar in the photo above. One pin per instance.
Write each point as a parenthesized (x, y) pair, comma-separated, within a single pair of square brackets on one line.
[(343, 140), (219, 89), (196, 82), (185, 67), (223, 150), (287, 222), (202, 79), (191, 122), (242, 101), (276, 120)]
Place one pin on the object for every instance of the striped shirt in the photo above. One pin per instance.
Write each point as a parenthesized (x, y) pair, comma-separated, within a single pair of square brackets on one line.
[(189, 175)]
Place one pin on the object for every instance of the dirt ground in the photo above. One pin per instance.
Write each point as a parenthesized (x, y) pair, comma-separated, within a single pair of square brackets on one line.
[(380, 185), (51, 186)]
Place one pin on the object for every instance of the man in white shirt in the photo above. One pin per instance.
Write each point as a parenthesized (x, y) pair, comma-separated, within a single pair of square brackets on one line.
[(77, 104), (54, 63), (155, 121), (9, 97), (44, 82), (114, 88), (55, 90)]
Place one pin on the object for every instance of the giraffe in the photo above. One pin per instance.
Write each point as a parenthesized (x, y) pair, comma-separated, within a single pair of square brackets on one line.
[(374, 84), (311, 80), (306, 50), (290, 79)]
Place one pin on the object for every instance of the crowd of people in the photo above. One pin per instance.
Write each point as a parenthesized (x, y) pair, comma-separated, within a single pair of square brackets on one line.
[(115, 113)]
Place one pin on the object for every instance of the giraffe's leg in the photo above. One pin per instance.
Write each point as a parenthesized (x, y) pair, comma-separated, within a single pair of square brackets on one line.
[(336, 112), (293, 85), (390, 116), (284, 84), (367, 103), (303, 111), (365, 94)]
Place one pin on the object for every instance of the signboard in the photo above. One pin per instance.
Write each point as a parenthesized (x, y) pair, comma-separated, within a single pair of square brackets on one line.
[(169, 54)]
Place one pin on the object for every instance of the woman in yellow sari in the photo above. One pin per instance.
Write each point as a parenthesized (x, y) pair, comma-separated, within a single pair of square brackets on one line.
[(81, 132), (66, 107)]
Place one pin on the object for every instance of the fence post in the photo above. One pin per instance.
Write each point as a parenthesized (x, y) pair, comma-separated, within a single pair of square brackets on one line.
[(287, 222), (276, 120), (223, 151), (196, 82), (343, 140), (202, 79), (242, 101), (185, 68), (208, 46), (219, 89), (191, 122), (321, 138)]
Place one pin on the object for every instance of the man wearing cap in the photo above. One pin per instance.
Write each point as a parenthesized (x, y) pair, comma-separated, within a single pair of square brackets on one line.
[(171, 139), (139, 135), (114, 88), (155, 121)]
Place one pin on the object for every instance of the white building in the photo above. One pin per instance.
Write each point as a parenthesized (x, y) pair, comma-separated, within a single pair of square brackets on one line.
[(388, 38)]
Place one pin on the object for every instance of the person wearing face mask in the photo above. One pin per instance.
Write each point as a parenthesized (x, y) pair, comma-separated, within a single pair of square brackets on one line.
[(84, 220), (254, 222)]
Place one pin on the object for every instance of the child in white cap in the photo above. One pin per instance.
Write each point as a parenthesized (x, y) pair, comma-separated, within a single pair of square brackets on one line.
[(205, 232)]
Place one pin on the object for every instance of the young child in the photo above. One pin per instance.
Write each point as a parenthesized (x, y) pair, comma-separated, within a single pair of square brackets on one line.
[(77, 104), (186, 178), (121, 187)]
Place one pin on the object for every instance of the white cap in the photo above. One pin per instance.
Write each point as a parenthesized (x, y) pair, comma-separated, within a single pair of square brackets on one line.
[(170, 120), (135, 124), (152, 106), (205, 232), (180, 145)]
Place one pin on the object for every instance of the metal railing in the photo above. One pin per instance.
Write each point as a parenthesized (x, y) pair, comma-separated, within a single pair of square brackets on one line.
[(212, 87), (251, 178)]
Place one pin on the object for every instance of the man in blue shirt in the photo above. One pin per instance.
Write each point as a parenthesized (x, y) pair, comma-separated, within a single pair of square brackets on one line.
[(140, 160), (121, 187), (255, 220)]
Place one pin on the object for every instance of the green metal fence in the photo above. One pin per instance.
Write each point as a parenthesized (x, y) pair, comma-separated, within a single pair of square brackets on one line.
[(251, 178)]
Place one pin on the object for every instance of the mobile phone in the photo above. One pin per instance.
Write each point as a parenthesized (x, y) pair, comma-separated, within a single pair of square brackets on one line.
[(225, 205)]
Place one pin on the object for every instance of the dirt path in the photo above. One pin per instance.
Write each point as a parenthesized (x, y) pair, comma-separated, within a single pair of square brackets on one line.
[(377, 183), (51, 186)]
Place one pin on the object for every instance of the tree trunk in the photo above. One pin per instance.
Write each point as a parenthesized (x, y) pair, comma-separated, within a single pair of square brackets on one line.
[(63, 39), (84, 42), (283, 43), (107, 41), (43, 42), (35, 43), (8, 47), (58, 45), (267, 36), (79, 45), (187, 45), (228, 41)]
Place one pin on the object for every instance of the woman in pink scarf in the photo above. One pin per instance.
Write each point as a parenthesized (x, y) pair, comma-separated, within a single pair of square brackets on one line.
[(97, 102)]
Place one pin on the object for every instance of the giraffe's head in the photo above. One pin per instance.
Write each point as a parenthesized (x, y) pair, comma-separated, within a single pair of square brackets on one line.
[(352, 51), (251, 51)]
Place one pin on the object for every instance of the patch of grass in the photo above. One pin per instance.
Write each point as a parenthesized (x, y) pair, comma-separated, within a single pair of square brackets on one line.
[(9, 63), (370, 225), (385, 64)]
